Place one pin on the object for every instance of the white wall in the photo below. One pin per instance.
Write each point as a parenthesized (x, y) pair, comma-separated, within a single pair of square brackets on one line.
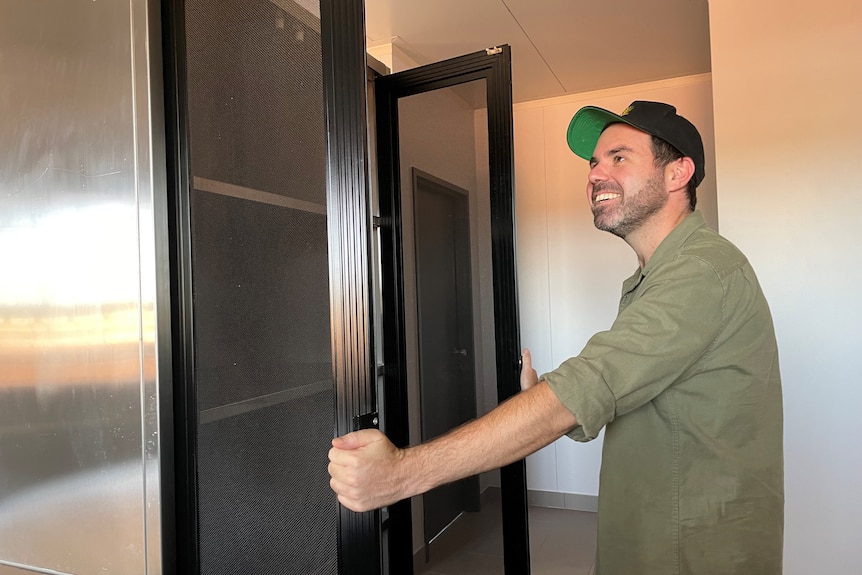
[(788, 116), (569, 273)]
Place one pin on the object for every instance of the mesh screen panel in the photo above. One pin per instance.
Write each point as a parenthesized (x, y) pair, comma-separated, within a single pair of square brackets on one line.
[(262, 508), (263, 369)]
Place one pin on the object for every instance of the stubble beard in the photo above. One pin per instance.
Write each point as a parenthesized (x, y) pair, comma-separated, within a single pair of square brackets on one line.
[(633, 210)]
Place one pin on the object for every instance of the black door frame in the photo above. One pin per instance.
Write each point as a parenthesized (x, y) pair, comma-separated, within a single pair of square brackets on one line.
[(494, 66), (343, 51)]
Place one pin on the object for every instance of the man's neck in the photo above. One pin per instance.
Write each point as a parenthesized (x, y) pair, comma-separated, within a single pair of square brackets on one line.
[(646, 239)]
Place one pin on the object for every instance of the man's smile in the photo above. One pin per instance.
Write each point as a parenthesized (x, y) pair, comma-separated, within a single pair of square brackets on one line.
[(604, 196)]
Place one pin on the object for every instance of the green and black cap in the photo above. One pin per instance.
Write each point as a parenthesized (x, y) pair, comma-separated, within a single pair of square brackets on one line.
[(654, 118)]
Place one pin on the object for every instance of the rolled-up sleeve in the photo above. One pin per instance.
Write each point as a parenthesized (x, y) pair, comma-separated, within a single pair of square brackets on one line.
[(665, 324)]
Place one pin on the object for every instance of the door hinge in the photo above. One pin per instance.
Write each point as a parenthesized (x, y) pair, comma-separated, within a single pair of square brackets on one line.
[(493, 51), (366, 421)]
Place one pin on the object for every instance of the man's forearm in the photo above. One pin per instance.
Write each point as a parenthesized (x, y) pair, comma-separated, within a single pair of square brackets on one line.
[(368, 472), (518, 427)]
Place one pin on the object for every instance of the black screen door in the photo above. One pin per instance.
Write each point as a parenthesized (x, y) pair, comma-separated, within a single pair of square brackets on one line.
[(270, 287), (412, 110)]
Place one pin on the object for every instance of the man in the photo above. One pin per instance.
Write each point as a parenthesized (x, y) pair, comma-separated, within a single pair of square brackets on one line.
[(685, 382)]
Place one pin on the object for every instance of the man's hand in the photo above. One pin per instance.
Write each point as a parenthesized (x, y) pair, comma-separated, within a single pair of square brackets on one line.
[(365, 470), (529, 377)]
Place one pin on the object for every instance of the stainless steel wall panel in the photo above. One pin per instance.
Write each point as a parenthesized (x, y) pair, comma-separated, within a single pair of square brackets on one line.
[(82, 318)]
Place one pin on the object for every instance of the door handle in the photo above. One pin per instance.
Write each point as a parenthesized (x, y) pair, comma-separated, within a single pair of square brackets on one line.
[(459, 351), (366, 421)]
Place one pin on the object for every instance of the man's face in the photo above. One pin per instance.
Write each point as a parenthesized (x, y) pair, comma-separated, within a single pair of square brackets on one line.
[(624, 187)]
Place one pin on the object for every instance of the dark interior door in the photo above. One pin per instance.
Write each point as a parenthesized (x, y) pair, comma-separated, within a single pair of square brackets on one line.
[(421, 94), (447, 384)]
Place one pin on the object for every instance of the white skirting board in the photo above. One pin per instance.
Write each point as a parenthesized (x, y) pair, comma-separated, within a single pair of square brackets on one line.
[(558, 500)]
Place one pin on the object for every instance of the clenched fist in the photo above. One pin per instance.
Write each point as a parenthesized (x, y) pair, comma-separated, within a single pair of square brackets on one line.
[(367, 470)]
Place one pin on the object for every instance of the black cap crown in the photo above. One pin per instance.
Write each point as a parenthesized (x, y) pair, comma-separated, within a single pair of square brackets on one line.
[(654, 118)]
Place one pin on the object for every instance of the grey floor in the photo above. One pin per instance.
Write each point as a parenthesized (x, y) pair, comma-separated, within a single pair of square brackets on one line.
[(561, 542)]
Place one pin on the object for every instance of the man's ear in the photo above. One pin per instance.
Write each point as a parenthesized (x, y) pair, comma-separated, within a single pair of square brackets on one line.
[(679, 172)]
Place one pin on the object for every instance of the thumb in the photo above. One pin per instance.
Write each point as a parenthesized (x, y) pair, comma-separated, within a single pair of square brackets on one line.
[(529, 377), (357, 439), (527, 360)]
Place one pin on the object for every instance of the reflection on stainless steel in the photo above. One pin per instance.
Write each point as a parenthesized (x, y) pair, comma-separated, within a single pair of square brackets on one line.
[(94, 515), (80, 310)]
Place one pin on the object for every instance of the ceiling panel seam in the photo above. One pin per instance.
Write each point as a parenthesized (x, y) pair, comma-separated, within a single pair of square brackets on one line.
[(536, 48)]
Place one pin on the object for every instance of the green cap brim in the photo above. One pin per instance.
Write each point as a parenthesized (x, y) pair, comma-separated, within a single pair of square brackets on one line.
[(586, 127)]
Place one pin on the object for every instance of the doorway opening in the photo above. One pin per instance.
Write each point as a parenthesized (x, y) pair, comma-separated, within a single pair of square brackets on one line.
[(444, 148)]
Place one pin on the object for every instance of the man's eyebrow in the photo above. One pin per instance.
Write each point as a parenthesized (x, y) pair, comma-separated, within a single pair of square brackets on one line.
[(617, 150), (612, 152)]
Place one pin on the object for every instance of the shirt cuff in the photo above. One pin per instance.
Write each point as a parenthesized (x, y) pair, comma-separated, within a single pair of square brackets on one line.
[(584, 392)]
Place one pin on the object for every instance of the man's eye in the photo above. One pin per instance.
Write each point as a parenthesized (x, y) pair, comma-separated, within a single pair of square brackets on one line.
[(618, 159)]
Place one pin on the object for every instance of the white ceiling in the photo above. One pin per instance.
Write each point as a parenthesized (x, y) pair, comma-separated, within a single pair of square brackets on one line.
[(558, 46)]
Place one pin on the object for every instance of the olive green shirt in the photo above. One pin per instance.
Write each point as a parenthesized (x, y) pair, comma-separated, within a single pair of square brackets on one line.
[(687, 386)]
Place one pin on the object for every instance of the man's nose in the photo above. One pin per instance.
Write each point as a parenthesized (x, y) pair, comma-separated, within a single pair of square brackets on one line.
[(597, 174)]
